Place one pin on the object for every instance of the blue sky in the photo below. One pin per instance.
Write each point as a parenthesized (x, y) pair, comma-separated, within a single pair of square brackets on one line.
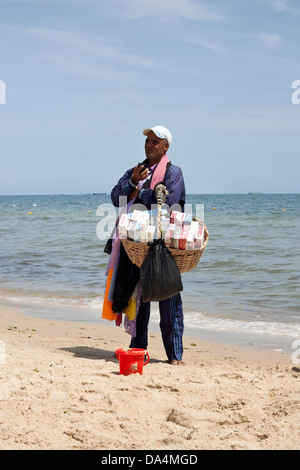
[(85, 77)]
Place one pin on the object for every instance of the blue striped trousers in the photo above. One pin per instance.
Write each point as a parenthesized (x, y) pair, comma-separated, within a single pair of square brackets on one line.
[(171, 326)]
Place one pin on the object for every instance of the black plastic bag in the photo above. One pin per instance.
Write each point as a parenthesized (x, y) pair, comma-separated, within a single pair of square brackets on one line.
[(160, 276)]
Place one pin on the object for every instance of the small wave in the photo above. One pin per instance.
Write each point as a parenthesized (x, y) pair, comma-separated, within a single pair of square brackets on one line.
[(201, 321), (192, 319), (51, 301)]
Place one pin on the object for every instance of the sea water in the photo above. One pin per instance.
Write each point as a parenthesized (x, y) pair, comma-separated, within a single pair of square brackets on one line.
[(245, 288)]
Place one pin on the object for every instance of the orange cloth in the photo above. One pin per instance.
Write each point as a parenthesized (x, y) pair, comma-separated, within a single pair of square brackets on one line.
[(107, 311)]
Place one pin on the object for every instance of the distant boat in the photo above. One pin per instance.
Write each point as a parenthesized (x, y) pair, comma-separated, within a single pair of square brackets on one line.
[(99, 194), (255, 193)]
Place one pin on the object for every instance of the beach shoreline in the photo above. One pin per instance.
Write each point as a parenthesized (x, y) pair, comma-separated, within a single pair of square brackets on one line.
[(222, 332), (62, 381)]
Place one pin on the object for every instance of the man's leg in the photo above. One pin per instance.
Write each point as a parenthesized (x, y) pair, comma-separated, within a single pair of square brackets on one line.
[(171, 325), (142, 320)]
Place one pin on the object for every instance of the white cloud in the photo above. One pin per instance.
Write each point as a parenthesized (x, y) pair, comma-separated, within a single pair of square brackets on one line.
[(99, 47), (271, 40), (76, 66), (166, 10), (281, 6), (216, 47), (90, 56)]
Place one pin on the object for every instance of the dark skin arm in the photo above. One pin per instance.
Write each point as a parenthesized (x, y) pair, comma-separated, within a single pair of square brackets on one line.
[(138, 175)]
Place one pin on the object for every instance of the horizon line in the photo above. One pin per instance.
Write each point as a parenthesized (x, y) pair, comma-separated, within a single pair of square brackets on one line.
[(254, 193)]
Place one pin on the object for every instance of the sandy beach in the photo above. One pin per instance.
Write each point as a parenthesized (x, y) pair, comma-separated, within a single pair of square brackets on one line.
[(60, 388)]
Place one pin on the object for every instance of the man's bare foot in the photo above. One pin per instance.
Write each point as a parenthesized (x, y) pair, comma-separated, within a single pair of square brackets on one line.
[(177, 363)]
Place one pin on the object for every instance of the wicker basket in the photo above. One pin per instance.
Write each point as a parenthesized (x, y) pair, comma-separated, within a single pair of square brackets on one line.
[(186, 260)]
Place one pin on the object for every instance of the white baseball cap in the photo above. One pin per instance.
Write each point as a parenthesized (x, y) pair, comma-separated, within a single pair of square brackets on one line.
[(161, 132)]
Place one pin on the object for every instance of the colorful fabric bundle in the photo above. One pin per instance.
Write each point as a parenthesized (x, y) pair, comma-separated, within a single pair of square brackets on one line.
[(122, 289)]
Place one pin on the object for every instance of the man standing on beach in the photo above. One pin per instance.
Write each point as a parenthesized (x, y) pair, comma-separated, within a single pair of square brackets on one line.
[(138, 184)]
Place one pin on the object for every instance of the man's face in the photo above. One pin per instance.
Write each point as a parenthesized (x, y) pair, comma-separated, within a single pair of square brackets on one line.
[(155, 148)]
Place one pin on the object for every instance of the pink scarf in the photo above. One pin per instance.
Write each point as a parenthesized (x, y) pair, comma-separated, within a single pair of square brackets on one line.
[(159, 172)]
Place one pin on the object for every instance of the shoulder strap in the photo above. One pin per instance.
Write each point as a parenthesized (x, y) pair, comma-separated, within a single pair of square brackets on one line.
[(168, 166)]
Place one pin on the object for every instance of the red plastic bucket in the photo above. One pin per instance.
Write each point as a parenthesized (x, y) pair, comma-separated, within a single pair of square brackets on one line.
[(132, 360)]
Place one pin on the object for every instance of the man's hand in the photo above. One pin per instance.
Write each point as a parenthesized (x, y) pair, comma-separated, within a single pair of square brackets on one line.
[(136, 176), (134, 194)]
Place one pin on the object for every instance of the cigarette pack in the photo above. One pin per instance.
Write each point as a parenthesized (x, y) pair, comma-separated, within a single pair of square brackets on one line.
[(193, 231), (173, 217), (180, 218), (144, 224), (130, 229), (177, 217), (183, 238), (199, 237), (168, 235), (144, 236), (144, 217), (123, 225), (176, 237), (165, 222), (137, 232), (188, 218), (136, 215), (150, 233)]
